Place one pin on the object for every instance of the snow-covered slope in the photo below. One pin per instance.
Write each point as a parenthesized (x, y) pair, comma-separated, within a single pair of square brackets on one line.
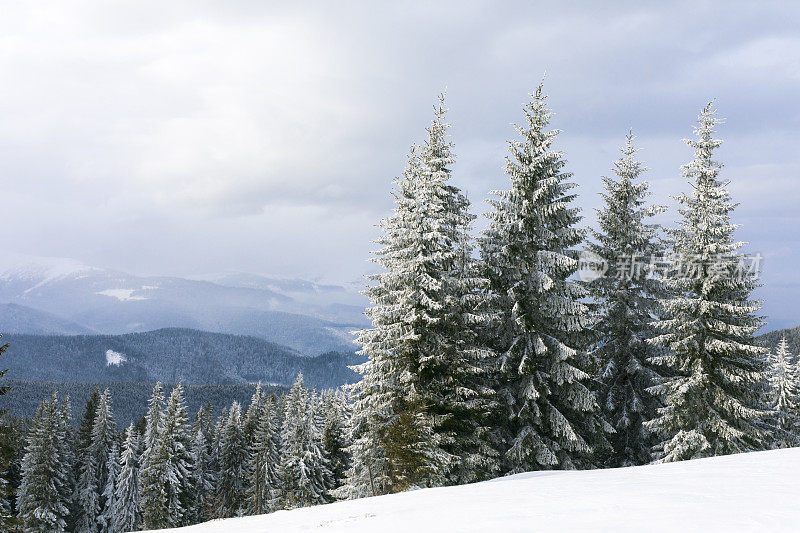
[(747, 492)]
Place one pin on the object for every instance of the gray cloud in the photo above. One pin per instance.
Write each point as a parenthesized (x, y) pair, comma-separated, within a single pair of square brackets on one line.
[(189, 137)]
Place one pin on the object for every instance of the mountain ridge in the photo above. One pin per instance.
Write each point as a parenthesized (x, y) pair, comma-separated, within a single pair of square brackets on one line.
[(173, 355), (306, 316)]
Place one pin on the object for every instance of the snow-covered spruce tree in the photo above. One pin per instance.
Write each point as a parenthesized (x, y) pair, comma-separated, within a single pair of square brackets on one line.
[(107, 519), (422, 345), (381, 394), (253, 415), (7, 520), (304, 474), (264, 462), (628, 302), (174, 452), (85, 466), (553, 419), (204, 421), (786, 396), (152, 493), (712, 405), (88, 495), (232, 457), (202, 482), (335, 439), (93, 458), (66, 447), (215, 507), (44, 494), (103, 440), (448, 371), (127, 514)]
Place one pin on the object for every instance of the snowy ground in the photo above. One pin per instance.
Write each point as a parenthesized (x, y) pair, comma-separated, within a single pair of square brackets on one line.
[(747, 492)]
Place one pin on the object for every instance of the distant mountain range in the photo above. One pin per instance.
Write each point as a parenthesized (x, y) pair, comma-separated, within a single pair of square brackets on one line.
[(50, 295), (15, 317), (170, 355)]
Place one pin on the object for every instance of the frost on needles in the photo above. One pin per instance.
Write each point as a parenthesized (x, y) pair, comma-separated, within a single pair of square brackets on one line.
[(528, 252), (627, 304), (713, 405)]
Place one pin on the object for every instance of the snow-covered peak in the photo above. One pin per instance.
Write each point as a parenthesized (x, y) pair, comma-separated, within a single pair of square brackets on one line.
[(38, 268)]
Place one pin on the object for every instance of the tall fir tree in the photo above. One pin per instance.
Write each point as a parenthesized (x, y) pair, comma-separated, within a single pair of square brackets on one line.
[(202, 482), (627, 295), (152, 490), (7, 519), (305, 477), (85, 466), (425, 365), (44, 494), (264, 462), (529, 257), (108, 519), (204, 421), (174, 453), (712, 401), (380, 396), (127, 513), (232, 460), (252, 415), (785, 396), (103, 440), (334, 436), (447, 363)]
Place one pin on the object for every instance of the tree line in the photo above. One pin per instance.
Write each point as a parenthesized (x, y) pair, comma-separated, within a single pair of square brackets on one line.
[(167, 470)]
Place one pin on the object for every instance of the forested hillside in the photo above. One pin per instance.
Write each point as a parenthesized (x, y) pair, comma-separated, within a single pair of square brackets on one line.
[(170, 355)]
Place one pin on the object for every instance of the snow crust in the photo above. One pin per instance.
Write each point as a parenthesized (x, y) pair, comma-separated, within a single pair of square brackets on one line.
[(745, 492)]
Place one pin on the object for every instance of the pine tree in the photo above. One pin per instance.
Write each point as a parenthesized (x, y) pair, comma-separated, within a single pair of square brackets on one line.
[(107, 519), (127, 514), (264, 462), (628, 297), (232, 450), (379, 395), (424, 356), (712, 405), (43, 497), (786, 396), (334, 436), (66, 447), (7, 520), (553, 419), (304, 473), (152, 490), (253, 415), (103, 440), (86, 493), (447, 363), (204, 421), (174, 453), (202, 482)]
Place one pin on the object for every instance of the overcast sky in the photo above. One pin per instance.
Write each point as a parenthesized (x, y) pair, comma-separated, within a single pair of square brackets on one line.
[(192, 137)]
